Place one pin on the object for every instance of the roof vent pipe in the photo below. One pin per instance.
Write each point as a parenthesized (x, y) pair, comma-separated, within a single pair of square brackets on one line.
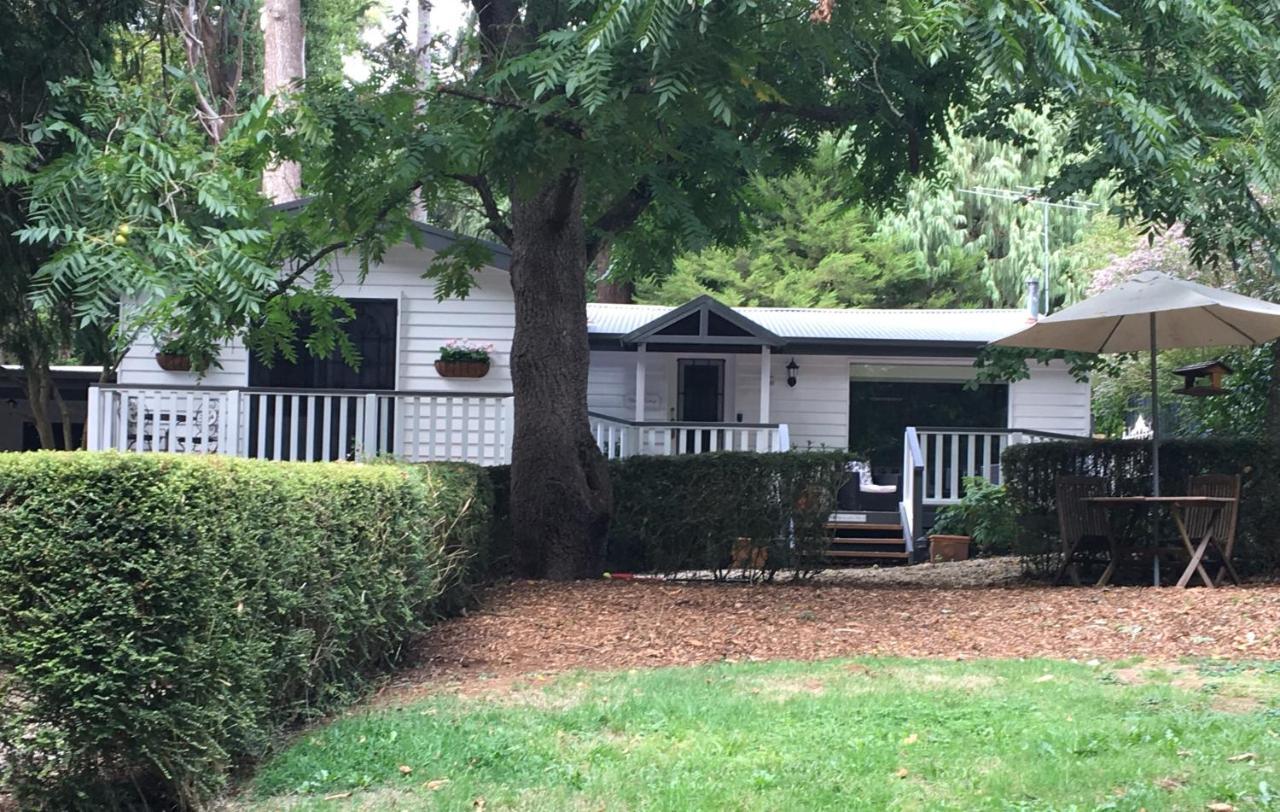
[(1033, 298)]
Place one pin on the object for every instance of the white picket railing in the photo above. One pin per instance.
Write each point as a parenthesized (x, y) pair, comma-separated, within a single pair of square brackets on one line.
[(950, 455), (618, 438), (302, 424)]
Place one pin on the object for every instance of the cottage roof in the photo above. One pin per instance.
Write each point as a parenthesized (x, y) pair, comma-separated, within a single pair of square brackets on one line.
[(798, 325)]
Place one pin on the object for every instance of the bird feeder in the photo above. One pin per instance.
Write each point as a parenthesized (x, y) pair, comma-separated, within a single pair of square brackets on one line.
[(1203, 379)]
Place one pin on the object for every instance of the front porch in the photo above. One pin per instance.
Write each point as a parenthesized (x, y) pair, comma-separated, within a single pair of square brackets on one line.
[(306, 425)]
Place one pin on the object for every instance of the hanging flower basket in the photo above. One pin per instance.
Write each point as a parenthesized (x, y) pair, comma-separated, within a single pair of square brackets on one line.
[(462, 359), (173, 362), (462, 369)]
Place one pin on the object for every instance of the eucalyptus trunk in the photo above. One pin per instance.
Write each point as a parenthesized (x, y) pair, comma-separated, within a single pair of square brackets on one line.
[(282, 64), (560, 492)]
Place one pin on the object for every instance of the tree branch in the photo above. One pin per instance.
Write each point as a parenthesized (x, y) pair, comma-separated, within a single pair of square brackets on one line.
[(286, 282), (619, 216), (568, 126), (493, 214)]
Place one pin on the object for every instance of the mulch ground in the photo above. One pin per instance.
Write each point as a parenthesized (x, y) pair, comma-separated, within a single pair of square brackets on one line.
[(529, 628)]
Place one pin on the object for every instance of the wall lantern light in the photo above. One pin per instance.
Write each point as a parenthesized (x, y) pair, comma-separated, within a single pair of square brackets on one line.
[(792, 369)]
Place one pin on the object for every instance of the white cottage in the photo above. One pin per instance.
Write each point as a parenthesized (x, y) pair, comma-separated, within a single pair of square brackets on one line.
[(888, 384)]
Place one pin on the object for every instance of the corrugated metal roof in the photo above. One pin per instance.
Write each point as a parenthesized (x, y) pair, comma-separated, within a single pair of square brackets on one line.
[(833, 324)]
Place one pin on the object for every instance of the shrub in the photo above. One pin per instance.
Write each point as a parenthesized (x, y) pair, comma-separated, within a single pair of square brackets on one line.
[(1030, 474), (161, 617), (985, 514), (689, 512)]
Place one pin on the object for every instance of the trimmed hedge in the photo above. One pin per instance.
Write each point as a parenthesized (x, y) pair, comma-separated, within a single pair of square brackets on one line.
[(1030, 473), (163, 617), (688, 512)]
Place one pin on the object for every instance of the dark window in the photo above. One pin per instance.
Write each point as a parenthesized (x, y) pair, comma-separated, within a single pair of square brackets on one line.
[(373, 331), (701, 385), (880, 411)]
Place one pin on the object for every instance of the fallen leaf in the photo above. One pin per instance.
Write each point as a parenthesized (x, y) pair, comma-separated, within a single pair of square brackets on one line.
[(436, 783), (1045, 678), (1243, 757), (337, 796), (405, 769), (1169, 784), (1219, 806), (478, 804), (912, 739), (902, 772)]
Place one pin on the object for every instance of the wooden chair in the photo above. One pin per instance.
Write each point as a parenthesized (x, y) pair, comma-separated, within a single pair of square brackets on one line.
[(1216, 527), (1084, 527)]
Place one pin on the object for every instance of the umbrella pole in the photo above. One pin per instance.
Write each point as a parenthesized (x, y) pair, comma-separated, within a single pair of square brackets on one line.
[(1155, 415), (1155, 455)]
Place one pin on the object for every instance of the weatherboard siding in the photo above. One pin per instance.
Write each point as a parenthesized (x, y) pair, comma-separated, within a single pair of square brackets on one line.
[(1050, 400), (486, 316)]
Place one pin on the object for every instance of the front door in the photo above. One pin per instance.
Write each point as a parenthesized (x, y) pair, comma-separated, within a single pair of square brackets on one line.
[(701, 395)]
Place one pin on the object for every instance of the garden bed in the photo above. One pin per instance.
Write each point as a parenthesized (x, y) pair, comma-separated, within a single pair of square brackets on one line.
[(531, 628)]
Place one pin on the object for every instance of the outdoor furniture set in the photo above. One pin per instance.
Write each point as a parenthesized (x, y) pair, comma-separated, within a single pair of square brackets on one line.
[(1205, 519)]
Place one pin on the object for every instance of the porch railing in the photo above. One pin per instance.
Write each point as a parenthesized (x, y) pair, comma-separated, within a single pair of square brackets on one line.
[(911, 508), (950, 455), (618, 438), (301, 424)]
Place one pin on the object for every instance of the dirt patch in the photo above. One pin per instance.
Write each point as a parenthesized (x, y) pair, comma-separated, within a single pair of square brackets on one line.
[(1178, 675), (780, 689), (1236, 703), (526, 628)]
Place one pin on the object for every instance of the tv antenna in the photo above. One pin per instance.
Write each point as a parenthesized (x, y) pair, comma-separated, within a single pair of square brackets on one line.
[(1031, 196)]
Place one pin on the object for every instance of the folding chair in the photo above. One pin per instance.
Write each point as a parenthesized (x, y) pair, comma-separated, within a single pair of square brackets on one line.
[(1214, 528), (1084, 527)]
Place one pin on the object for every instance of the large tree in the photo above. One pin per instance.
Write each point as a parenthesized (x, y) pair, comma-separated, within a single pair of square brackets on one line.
[(638, 124), (40, 42)]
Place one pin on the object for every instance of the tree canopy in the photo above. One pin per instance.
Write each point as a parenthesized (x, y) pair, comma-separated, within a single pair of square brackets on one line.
[(641, 124)]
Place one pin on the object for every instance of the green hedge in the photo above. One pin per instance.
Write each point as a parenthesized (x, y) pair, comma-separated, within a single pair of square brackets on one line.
[(163, 617), (687, 512), (1030, 473)]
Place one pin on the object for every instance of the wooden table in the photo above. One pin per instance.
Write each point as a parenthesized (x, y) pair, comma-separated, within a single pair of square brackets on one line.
[(1176, 506)]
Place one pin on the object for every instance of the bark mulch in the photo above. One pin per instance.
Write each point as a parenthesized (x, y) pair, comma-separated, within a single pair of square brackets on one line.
[(533, 628)]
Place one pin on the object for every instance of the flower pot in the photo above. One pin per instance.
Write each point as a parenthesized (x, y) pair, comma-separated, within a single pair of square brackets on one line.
[(949, 548), (462, 369), (173, 362)]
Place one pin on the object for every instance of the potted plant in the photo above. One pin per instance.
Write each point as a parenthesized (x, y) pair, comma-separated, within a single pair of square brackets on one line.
[(983, 517), (177, 354), (463, 359), (949, 538)]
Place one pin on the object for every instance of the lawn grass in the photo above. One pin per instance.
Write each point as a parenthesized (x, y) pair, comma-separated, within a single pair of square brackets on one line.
[(849, 735)]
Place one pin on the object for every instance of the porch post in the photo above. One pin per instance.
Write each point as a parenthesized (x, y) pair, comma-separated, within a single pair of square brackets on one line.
[(93, 421), (764, 383), (640, 356)]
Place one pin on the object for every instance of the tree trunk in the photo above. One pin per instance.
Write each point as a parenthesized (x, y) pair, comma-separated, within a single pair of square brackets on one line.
[(283, 64), (607, 290), (423, 48), (37, 383), (560, 492)]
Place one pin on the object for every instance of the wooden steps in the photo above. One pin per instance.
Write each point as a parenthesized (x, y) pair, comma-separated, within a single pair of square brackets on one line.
[(866, 538), (900, 555)]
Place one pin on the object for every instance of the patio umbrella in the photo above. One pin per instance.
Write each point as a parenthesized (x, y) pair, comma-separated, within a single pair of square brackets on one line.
[(1153, 312)]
